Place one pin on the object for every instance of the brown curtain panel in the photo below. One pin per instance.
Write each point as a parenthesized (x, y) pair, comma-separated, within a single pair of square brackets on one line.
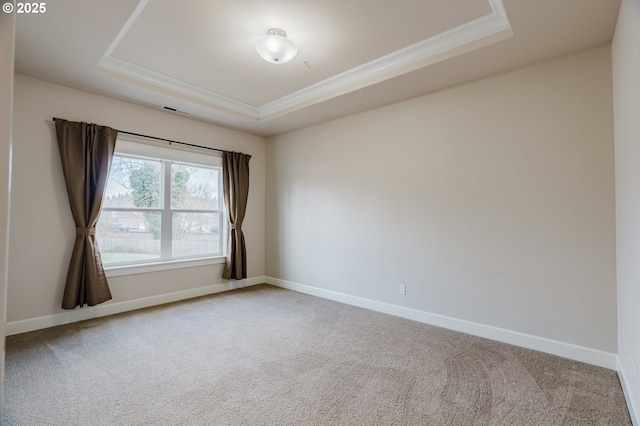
[(86, 151), (235, 181)]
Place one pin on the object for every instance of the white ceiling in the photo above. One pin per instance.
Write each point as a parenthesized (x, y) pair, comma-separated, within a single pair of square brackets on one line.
[(198, 55)]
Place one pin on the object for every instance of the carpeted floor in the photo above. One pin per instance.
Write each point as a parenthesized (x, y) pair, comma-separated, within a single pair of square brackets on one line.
[(268, 356)]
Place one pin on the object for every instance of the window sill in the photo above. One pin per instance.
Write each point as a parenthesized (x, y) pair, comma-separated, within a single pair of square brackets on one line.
[(119, 271)]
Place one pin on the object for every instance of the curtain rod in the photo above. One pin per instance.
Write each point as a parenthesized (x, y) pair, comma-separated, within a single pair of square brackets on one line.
[(163, 139)]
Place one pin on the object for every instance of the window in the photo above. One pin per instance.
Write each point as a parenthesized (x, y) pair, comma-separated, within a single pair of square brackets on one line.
[(160, 205)]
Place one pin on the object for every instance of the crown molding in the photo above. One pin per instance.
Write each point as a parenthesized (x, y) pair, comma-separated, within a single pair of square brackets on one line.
[(456, 41), (464, 38), (127, 72)]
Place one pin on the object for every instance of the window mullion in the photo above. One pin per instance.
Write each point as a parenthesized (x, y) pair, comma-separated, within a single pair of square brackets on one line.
[(165, 244), (222, 234), (193, 211), (131, 209)]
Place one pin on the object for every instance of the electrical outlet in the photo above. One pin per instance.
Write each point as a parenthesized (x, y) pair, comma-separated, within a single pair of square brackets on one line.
[(402, 289)]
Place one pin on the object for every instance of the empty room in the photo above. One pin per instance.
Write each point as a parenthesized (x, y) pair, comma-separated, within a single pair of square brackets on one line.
[(336, 212)]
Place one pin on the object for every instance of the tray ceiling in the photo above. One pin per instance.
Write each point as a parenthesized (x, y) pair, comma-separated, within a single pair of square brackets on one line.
[(215, 62), (198, 55)]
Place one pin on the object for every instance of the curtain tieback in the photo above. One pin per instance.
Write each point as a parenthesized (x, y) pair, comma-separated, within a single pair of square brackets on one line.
[(233, 226), (85, 231)]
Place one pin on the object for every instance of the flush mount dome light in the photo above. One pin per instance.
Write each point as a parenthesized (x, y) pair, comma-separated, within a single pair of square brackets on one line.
[(275, 47)]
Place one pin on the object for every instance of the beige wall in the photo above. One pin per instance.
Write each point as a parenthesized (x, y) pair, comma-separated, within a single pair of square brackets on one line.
[(626, 95), (493, 202), (7, 25), (42, 232)]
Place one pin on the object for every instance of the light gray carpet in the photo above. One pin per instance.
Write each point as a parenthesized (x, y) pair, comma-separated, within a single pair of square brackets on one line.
[(268, 356)]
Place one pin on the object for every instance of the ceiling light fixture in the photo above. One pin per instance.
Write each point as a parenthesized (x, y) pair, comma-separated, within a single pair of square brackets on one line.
[(275, 47)]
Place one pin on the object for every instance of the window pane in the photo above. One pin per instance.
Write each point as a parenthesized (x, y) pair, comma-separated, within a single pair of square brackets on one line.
[(133, 183), (194, 188), (128, 236), (195, 234)]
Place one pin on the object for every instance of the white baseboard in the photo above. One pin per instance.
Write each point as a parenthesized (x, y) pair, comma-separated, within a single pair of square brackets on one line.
[(633, 409), (67, 317), (566, 350), (542, 344)]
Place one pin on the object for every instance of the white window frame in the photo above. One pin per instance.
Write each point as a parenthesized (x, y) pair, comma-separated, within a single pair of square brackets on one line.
[(149, 150)]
